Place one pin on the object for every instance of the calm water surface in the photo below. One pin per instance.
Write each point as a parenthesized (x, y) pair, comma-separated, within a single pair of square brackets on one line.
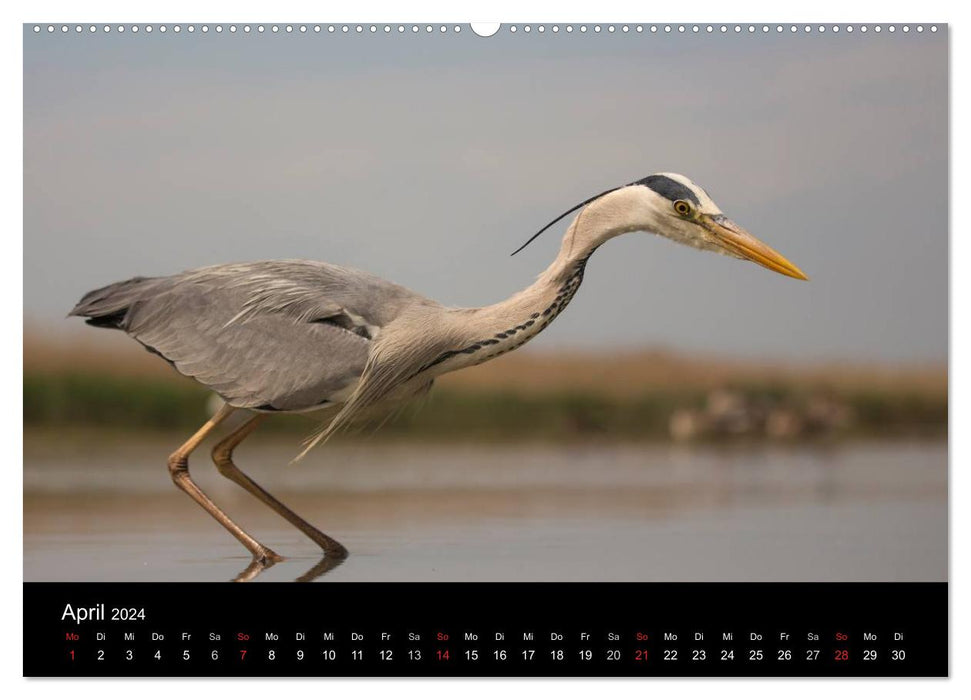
[(97, 510)]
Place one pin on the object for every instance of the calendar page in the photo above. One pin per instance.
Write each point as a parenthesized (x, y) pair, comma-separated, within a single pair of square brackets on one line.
[(292, 408)]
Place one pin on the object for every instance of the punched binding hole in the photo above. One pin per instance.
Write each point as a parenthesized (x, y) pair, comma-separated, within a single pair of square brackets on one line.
[(485, 29)]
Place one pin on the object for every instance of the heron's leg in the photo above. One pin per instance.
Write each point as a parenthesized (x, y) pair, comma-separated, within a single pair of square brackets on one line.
[(179, 469), (222, 455)]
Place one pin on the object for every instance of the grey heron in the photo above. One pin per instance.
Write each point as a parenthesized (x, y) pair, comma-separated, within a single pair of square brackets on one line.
[(299, 336)]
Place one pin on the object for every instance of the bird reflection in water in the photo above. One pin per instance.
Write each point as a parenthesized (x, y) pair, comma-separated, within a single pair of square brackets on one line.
[(257, 567)]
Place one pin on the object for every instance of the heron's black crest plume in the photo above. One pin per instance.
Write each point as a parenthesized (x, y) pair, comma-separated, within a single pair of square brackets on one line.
[(662, 184), (566, 213), (669, 188)]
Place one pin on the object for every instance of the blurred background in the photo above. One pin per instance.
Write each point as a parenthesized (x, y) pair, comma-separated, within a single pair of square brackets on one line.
[(689, 417)]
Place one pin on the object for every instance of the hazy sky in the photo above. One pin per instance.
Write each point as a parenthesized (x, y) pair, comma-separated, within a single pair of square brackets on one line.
[(428, 159)]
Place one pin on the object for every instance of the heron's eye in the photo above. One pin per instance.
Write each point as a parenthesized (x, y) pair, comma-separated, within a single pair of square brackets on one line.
[(682, 207)]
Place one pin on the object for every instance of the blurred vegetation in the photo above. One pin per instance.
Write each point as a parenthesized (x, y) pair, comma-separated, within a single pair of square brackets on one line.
[(87, 399)]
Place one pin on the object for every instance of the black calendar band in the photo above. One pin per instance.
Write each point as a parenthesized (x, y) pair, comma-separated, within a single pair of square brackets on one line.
[(479, 629)]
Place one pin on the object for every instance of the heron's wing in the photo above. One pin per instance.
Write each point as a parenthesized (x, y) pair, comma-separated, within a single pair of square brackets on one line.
[(418, 340), (287, 335)]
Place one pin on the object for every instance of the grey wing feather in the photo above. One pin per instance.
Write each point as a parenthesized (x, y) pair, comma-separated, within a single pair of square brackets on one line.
[(283, 335), (402, 353)]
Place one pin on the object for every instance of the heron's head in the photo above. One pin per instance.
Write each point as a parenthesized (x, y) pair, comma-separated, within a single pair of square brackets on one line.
[(673, 206)]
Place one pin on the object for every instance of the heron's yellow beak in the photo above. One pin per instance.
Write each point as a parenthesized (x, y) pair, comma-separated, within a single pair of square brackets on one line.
[(743, 244)]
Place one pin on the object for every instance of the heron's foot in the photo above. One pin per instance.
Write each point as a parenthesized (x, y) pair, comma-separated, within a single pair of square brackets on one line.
[(255, 568), (266, 556), (335, 550), (263, 559)]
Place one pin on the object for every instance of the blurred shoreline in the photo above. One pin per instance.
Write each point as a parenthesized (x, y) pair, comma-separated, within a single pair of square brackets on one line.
[(104, 381), (715, 470)]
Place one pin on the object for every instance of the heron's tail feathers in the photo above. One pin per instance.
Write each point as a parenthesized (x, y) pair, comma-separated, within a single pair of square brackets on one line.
[(109, 307)]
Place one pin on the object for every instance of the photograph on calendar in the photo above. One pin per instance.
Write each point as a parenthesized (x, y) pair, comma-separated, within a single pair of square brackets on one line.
[(414, 303)]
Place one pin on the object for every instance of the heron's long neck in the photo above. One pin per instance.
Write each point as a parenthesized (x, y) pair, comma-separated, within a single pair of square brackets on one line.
[(494, 330), (543, 300)]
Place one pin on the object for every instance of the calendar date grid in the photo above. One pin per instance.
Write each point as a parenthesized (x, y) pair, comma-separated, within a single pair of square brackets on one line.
[(486, 629)]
